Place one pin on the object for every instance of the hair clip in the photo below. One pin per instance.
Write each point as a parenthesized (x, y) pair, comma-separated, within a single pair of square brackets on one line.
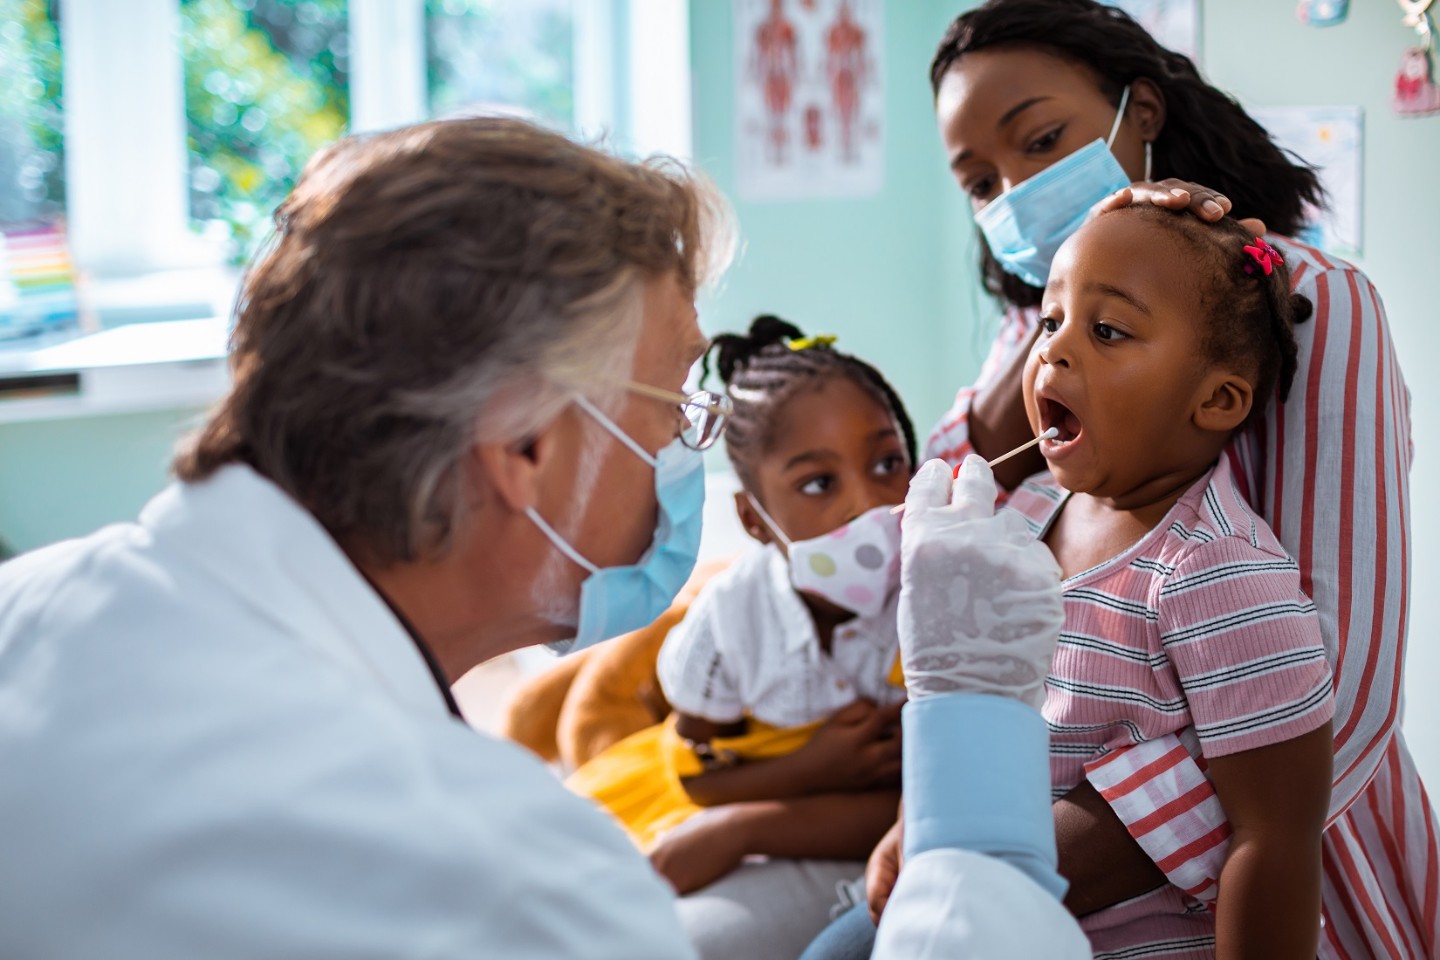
[(805, 343), (1263, 254)]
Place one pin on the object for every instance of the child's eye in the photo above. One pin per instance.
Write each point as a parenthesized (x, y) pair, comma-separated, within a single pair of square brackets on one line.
[(816, 486), (1045, 142), (1104, 331), (1049, 324), (891, 465)]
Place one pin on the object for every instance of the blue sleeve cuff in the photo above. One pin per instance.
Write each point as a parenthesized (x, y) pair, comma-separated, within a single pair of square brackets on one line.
[(977, 777)]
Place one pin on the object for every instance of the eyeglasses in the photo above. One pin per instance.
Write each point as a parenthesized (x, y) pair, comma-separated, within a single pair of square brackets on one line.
[(705, 413)]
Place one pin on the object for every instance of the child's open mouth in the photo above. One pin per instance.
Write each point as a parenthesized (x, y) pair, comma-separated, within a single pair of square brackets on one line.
[(1055, 414)]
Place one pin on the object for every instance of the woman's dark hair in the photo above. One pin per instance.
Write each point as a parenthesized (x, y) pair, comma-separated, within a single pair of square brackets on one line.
[(762, 368), (1250, 314), (1207, 138)]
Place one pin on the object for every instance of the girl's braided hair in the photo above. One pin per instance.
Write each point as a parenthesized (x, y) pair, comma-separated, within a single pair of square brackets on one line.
[(1250, 314), (761, 368)]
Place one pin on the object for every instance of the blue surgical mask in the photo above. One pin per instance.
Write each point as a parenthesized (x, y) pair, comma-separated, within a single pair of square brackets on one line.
[(617, 600), (1026, 224)]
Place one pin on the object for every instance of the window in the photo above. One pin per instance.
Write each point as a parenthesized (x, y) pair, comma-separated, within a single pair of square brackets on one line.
[(195, 117), (32, 144), (485, 55), (266, 85)]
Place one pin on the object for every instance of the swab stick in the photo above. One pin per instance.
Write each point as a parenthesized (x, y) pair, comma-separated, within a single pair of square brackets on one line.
[(1052, 432)]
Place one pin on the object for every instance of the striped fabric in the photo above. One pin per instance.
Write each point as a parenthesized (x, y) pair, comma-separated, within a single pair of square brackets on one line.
[(1198, 631), (1329, 472)]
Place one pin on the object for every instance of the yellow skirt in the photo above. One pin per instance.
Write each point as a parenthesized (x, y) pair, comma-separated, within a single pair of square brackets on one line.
[(638, 779)]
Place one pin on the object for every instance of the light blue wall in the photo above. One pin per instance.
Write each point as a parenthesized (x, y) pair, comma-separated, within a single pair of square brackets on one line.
[(64, 478), (881, 271)]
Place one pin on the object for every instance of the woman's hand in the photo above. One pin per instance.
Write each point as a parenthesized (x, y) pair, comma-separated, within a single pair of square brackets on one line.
[(703, 849), (883, 869), (1209, 205), (856, 749)]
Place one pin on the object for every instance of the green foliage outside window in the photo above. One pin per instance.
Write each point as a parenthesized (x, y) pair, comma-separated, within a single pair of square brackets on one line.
[(266, 85)]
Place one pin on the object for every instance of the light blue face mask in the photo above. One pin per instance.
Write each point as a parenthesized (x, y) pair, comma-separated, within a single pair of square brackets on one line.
[(1026, 224), (617, 600)]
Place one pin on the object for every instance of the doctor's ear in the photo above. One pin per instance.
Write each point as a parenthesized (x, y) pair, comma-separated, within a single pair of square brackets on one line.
[(1225, 402), (513, 471), (507, 472)]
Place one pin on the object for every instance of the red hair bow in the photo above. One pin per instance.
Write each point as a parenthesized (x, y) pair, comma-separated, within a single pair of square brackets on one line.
[(1263, 254)]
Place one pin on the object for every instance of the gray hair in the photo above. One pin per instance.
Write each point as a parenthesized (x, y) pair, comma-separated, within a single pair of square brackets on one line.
[(417, 275)]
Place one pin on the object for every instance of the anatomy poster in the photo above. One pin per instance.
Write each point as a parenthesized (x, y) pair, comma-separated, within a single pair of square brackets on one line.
[(809, 98), (1174, 23), (1331, 139)]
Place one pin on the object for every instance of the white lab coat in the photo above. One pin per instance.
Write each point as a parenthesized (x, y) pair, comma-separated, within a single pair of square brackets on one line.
[(217, 741)]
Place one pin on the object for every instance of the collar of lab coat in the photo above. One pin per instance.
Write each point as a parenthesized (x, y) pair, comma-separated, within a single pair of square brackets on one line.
[(264, 547)]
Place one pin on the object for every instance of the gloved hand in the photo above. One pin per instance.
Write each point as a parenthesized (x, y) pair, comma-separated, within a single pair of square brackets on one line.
[(980, 605)]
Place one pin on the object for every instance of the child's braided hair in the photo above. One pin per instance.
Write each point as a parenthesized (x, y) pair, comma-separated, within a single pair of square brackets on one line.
[(760, 369), (1251, 313)]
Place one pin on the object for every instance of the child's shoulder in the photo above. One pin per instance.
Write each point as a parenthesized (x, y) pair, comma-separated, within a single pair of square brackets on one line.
[(1214, 519)]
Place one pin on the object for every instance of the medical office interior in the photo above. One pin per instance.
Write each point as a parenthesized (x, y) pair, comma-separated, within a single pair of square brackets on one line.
[(144, 144)]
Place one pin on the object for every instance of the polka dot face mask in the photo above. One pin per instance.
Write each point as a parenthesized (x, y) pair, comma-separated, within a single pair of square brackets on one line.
[(855, 566)]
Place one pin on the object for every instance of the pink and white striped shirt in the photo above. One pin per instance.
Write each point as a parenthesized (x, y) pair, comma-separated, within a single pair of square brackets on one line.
[(1329, 471), (1199, 631)]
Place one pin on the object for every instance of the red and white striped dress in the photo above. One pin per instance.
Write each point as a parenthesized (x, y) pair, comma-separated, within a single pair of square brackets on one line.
[(1199, 631), (1329, 471)]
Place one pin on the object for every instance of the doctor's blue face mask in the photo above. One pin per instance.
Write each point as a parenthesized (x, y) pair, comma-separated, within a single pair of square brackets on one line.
[(1026, 224), (617, 600)]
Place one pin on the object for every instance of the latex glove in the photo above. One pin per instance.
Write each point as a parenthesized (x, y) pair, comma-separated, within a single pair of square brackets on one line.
[(980, 605)]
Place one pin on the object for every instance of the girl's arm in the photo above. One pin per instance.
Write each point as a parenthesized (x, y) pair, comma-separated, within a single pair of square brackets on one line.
[(830, 826), (1276, 798), (855, 750)]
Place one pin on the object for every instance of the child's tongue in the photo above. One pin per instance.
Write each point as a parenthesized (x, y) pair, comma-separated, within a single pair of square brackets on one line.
[(1069, 425)]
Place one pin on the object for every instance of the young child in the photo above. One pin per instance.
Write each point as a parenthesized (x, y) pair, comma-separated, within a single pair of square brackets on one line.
[(1160, 337), (783, 674)]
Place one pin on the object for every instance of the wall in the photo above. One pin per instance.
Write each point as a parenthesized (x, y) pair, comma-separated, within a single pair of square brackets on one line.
[(872, 270)]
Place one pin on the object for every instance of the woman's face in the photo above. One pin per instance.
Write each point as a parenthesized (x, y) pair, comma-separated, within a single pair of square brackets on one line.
[(1005, 115)]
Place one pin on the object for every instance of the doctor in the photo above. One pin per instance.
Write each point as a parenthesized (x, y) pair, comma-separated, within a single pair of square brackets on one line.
[(455, 430)]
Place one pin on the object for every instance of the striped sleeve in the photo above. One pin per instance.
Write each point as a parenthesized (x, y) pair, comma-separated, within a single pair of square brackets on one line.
[(950, 440), (1245, 645), (1336, 492)]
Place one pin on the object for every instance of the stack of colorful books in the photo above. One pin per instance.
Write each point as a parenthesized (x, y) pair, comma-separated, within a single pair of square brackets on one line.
[(37, 282)]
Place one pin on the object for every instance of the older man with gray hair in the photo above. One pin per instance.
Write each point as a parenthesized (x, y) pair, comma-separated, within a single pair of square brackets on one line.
[(456, 428)]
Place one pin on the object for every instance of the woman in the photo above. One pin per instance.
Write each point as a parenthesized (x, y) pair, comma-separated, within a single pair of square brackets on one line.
[(1022, 85)]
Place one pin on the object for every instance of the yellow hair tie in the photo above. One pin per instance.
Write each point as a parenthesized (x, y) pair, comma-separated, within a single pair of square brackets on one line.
[(805, 343)]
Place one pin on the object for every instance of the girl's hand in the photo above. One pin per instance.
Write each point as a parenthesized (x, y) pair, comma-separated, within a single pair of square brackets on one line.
[(883, 869), (701, 850), (857, 749), (1209, 205)]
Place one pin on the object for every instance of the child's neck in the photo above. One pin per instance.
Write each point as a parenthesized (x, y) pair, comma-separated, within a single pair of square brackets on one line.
[(1091, 529), (826, 618)]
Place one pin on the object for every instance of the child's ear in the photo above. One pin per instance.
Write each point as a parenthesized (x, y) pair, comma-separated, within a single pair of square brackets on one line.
[(1225, 402), (750, 518)]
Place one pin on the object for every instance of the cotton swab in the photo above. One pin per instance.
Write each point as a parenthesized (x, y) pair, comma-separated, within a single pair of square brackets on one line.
[(1048, 434)]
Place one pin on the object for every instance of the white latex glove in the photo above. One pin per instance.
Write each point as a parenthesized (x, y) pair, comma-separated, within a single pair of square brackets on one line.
[(980, 605)]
